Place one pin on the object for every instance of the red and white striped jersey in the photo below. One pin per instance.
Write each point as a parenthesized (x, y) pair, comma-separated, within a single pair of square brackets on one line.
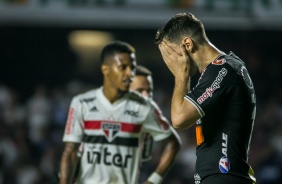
[(111, 134)]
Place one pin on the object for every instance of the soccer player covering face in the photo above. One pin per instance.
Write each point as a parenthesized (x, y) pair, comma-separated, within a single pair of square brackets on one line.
[(223, 102), (108, 124)]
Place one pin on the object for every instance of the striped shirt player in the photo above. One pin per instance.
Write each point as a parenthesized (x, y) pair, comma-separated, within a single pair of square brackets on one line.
[(225, 98), (111, 134)]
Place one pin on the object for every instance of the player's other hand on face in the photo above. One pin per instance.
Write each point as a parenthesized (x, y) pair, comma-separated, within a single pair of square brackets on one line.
[(176, 58)]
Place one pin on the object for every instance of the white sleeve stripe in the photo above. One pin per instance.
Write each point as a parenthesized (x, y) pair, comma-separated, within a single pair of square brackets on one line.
[(71, 139), (162, 136), (200, 110)]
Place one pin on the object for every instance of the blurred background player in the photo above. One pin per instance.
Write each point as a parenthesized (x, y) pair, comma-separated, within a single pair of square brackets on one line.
[(142, 82), (109, 123)]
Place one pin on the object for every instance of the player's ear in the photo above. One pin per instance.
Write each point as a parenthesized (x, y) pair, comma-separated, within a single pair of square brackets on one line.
[(105, 69), (187, 41)]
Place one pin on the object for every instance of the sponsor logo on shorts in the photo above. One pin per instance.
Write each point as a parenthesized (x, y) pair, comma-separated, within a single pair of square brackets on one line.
[(110, 130), (215, 85)]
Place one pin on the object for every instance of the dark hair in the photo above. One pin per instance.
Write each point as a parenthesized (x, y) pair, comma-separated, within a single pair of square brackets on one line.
[(143, 71), (116, 47), (182, 24)]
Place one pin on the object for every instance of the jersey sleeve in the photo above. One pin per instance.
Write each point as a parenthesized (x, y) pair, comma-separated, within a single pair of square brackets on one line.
[(156, 124), (214, 84), (74, 125)]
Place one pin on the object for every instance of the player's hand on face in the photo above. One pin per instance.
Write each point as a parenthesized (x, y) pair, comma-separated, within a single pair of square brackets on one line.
[(176, 58)]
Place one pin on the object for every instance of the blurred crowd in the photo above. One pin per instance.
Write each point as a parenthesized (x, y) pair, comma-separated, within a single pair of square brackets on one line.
[(31, 133)]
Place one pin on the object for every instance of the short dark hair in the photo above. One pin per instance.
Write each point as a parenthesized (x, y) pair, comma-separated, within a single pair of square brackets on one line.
[(116, 47), (182, 24), (143, 71)]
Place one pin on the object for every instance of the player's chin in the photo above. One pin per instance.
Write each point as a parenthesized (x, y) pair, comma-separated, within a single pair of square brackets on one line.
[(124, 88)]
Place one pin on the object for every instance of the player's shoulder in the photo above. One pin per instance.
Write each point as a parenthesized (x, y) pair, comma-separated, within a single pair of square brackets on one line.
[(87, 96), (137, 98), (226, 63)]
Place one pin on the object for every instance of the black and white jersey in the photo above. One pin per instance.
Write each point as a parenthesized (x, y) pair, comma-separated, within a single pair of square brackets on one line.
[(111, 135), (225, 98)]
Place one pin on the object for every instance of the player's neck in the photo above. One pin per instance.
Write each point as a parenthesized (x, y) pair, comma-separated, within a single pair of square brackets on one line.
[(206, 55), (112, 94)]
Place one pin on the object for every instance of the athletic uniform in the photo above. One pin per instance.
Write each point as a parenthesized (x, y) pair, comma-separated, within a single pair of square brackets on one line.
[(225, 98), (111, 134)]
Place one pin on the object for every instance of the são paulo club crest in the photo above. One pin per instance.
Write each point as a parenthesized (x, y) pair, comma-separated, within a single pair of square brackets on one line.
[(224, 164), (110, 130)]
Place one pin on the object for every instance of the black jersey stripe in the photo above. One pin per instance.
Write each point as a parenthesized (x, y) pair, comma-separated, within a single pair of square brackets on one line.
[(121, 141), (200, 110)]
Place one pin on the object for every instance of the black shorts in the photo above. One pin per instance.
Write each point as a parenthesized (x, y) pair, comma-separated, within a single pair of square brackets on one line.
[(225, 179)]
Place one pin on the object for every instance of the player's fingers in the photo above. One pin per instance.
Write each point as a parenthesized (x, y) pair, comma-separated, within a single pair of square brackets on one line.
[(173, 47), (163, 49), (166, 57), (164, 52)]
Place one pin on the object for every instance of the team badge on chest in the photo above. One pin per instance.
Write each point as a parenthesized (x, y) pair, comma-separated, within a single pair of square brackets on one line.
[(110, 130)]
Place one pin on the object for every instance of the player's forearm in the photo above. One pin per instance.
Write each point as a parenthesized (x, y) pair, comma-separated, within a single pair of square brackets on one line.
[(180, 90), (65, 171), (68, 165), (167, 158), (170, 150)]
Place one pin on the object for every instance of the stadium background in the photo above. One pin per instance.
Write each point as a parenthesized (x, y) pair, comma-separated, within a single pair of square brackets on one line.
[(49, 51)]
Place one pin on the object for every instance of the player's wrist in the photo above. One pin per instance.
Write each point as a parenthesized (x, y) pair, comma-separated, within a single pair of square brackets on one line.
[(155, 178)]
